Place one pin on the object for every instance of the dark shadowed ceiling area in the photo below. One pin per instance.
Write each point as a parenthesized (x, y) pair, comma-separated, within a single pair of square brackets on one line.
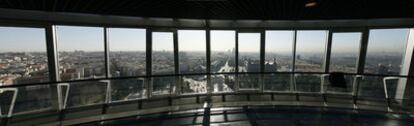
[(227, 9)]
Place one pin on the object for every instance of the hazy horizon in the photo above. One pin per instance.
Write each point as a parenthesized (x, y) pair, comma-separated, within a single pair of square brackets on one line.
[(90, 39)]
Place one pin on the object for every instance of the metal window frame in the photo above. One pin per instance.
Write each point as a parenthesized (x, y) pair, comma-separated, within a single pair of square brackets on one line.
[(177, 58), (261, 33), (150, 76), (210, 74), (293, 52), (15, 18)]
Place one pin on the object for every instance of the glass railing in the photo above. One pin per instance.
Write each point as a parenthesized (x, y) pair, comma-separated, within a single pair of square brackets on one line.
[(367, 90)]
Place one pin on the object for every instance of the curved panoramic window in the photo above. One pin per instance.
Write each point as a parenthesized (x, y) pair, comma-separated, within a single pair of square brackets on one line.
[(278, 58), (80, 52), (385, 51), (192, 51), (162, 53), (310, 50), (249, 60), (344, 52), (127, 56), (279, 51), (23, 57), (249, 52), (23, 60), (163, 62), (223, 46), (192, 59), (385, 55), (223, 60)]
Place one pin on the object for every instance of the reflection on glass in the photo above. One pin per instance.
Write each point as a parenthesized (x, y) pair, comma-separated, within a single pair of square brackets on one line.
[(80, 52), (344, 52), (349, 85), (192, 51), (249, 52), (279, 51), (223, 82), (276, 82), (126, 89), (6, 98), (194, 84), (162, 53), (163, 85), (86, 93), (249, 81), (223, 51), (371, 88), (33, 98), (385, 51), (126, 52), (310, 50), (308, 83), (23, 57)]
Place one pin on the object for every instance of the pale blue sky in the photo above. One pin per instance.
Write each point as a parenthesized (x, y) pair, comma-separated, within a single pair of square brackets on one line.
[(162, 41), (279, 41), (222, 40), (136, 39), (249, 42), (13, 39), (311, 41), (346, 43), (387, 40), (191, 40), (71, 38)]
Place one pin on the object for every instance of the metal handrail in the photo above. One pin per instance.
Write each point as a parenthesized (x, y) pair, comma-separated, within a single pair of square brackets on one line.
[(385, 80), (63, 100), (11, 107)]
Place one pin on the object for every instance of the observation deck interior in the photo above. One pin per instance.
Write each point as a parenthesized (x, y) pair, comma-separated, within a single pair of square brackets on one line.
[(207, 62)]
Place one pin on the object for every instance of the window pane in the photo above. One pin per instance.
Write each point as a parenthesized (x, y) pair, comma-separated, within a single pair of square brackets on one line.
[(279, 51), (249, 52), (194, 84), (23, 57), (344, 52), (126, 89), (127, 51), (310, 50), (385, 51), (34, 98), (223, 51), (249, 81), (349, 79), (276, 82), (86, 93), (162, 53), (308, 82), (223, 82), (163, 85), (192, 51), (80, 52)]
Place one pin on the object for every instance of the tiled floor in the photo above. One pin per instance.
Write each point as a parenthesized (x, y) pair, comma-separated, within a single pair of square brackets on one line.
[(270, 116)]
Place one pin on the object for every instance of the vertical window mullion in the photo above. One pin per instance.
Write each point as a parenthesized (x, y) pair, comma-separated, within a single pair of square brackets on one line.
[(176, 63), (106, 50), (292, 76), (52, 53), (148, 66)]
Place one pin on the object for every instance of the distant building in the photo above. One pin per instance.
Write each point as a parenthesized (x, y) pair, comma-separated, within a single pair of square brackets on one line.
[(383, 69), (252, 66), (298, 57), (271, 66)]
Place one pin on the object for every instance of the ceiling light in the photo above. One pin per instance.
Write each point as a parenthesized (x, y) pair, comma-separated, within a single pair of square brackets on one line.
[(311, 4)]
